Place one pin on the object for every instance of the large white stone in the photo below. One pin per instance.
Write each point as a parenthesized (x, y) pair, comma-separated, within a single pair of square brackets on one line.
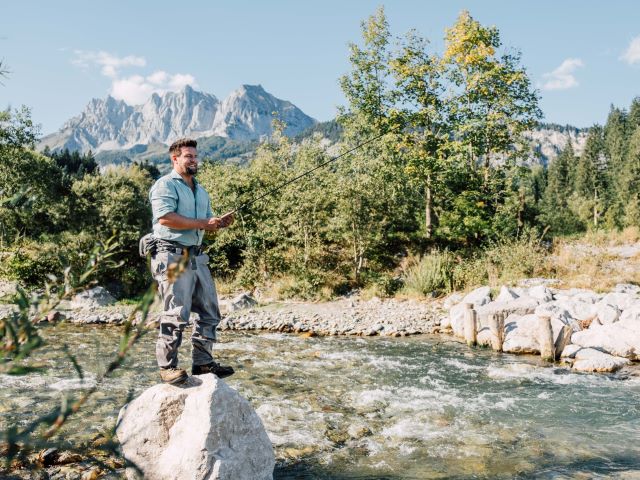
[(556, 311), (201, 430), (522, 334), (616, 339), (479, 296), (606, 313), (518, 306), (627, 288), (507, 294), (620, 300), (456, 319), (453, 299), (540, 292), (591, 360), (92, 298), (570, 351), (578, 309), (631, 316)]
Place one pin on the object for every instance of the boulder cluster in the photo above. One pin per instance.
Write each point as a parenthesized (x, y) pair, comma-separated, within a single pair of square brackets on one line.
[(593, 332)]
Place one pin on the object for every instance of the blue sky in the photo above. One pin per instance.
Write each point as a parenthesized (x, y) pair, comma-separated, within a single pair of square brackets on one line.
[(582, 55)]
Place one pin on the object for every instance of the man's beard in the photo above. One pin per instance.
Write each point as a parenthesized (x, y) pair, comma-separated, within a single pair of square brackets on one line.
[(192, 169)]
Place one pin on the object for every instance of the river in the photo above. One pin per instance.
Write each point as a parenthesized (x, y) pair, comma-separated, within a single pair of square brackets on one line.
[(375, 408)]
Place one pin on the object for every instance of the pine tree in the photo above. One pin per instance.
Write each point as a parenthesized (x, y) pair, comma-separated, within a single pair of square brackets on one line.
[(590, 183), (555, 212)]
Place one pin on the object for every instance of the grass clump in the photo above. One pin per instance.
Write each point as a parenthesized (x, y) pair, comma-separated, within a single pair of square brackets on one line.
[(431, 274)]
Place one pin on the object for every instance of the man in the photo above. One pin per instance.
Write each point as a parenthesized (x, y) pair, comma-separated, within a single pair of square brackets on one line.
[(181, 214)]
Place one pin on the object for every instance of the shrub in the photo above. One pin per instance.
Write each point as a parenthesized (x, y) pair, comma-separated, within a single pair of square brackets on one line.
[(432, 273)]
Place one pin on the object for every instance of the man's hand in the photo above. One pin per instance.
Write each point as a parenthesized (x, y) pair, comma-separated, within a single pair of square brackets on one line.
[(216, 223)]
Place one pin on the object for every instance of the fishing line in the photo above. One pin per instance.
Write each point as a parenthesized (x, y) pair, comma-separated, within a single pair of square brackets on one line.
[(308, 172)]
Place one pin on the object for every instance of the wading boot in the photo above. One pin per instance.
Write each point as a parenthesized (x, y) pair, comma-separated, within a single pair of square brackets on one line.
[(221, 371), (173, 376)]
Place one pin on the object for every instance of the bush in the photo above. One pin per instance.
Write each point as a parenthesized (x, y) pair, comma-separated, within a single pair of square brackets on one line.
[(432, 273), (504, 262)]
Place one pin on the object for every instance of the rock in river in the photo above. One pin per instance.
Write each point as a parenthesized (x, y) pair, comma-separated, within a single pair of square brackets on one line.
[(201, 430)]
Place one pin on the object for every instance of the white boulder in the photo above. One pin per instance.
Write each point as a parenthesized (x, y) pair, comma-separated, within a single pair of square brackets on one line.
[(631, 316), (606, 313), (242, 301), (453, 299), (620, 300), (201, 430), (540, 292), (506, 294), (92, 298), (479, 296), (570, 351), (522, 334), (627, 288), (519, 306), (616, 339), (591, 360), (556, 311)]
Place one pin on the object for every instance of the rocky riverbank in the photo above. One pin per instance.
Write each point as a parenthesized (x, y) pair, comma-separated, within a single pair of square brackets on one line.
[(592, 332)]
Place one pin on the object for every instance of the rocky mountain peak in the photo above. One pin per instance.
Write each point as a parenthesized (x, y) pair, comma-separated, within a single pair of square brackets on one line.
[(110, 124)]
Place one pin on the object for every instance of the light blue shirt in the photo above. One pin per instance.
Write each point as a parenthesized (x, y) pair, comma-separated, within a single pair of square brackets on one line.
[(172, 194)]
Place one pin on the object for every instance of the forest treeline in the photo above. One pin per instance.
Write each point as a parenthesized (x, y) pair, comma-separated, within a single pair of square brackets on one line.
[(447, 174)]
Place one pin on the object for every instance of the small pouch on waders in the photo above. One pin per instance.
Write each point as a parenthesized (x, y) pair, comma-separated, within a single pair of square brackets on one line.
[(147, 245)]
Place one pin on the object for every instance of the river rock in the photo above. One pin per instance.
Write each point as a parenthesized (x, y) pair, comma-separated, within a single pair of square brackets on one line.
[(631, 315), (479, 296), (627, 288), (587, 297), (570, 351), (541, 293), (616, 339), (244, 300), (592, 360), (607, 313), (620, 300), (557, 311), (452, 300), (522, 334), (92, 298), (507, 294), (519, 306), (201, 430)]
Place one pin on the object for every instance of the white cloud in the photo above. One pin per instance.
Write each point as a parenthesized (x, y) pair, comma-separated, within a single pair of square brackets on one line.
[(632, 53), (134, 89), (562, 77), (110, 63)]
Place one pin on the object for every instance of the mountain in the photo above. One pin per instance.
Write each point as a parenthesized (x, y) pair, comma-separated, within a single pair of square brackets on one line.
[(549, 139), (109, 124)]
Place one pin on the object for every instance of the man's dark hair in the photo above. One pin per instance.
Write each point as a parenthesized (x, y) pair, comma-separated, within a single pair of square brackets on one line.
[(176, 147)]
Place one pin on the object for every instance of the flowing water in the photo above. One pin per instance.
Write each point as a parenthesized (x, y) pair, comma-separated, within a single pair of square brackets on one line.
[(376, 408)]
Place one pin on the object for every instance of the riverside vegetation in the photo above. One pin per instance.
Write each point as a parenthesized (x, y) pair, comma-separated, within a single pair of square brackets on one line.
[(442, 202)]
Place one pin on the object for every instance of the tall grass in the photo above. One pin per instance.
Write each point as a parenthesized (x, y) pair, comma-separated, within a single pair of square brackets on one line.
[(431, 274)]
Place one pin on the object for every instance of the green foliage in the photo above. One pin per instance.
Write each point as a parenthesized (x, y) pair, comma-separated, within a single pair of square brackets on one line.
[(73, 163), (502, 262), (431, 274)]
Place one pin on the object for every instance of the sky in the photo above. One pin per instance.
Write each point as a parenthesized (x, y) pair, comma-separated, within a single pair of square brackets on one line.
[(582, 56)]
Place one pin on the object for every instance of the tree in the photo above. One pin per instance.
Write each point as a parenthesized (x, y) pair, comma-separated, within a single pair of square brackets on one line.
[(590, 182), (492, 102)]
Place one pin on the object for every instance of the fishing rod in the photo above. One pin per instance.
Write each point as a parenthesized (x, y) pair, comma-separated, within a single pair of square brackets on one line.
[(308, 172)]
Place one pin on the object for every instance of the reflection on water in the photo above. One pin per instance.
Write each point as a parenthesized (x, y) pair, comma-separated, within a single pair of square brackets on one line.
[(382, 408)]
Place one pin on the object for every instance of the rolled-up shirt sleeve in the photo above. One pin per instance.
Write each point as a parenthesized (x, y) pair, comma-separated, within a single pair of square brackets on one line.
[(164, 199), (209, 212)]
